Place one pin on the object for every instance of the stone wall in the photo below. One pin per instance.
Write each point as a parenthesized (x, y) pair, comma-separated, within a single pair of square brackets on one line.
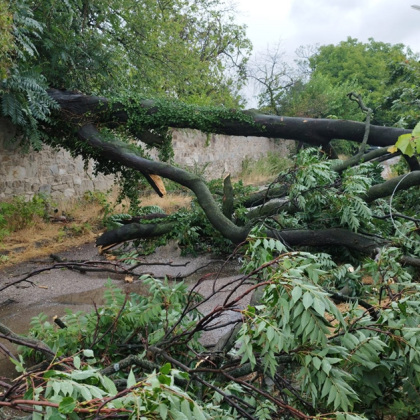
[(56, 173), (49, 171), (222, 154)]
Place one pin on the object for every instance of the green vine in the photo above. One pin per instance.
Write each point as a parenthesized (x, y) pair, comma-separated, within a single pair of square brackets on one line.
[(161, 113)]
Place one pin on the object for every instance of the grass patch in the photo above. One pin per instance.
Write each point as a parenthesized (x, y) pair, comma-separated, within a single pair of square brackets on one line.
[(28, 232), (263, 170)]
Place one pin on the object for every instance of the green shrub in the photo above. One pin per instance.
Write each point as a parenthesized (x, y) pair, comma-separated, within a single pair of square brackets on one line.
[(17, 213)]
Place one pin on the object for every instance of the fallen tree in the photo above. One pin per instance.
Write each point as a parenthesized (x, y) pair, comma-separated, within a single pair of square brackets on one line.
[(147, 120)]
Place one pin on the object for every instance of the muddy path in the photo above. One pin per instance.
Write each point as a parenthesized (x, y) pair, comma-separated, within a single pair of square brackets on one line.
[(55, 291)]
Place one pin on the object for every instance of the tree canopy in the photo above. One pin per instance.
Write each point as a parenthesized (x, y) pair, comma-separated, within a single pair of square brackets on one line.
[(189, 50), (325, 74)]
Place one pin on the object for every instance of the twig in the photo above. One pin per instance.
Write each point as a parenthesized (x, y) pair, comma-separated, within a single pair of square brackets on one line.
[(227, 397), (358, 157), (38, 345), (6, 351), (402, 216), (184, 276), (113, 324)]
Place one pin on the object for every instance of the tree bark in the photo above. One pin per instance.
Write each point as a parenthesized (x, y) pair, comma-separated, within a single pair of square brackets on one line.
[(134, 231), (227, 207), (329, 237), (292, 238), (263, 196)]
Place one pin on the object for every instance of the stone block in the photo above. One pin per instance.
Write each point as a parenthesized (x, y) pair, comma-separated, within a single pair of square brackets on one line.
[(54, 170), (58, 187), (45, 189), (69, 192)]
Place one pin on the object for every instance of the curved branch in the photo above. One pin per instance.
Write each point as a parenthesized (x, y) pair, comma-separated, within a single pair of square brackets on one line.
[(134, 231), (118, 151)]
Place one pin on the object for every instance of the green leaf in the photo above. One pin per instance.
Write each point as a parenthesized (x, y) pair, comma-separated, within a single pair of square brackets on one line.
[(66, 388), (165, 369), (131, 380), (186, 410), (56, 386), (270, 333), (50, 373), (88, 353), (316, 362), (198, 415), (67, 405), (406, 144), (164, 379), (84, 374), (163, 411), (76, 362), (416, 130), (29, 394), (307, 300), (56, 416), (326, 366), (319, 306), (109, 385), (85, 393), (296, 293), (332, 395)]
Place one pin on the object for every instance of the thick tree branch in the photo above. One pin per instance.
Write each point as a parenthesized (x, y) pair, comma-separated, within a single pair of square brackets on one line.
[(119, 151), (79, 108), (400, 183), (329, 237)]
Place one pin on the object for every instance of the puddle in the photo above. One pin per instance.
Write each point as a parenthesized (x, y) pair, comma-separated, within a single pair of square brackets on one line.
[(53, 292), (18, 317)]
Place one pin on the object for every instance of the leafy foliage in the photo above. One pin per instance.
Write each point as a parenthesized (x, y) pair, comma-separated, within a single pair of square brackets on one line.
[(106, 330), (364, 63), (339, 363), (342, 361), (6, 39), (320, 197)]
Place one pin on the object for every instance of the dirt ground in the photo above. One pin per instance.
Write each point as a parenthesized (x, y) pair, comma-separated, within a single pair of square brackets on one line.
[(54, 291)]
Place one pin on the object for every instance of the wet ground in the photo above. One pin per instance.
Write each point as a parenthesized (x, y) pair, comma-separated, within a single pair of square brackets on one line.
[(54, 291)]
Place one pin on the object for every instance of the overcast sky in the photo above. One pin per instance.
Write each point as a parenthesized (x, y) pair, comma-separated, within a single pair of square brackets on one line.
[(308, 22), (302, 22)]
